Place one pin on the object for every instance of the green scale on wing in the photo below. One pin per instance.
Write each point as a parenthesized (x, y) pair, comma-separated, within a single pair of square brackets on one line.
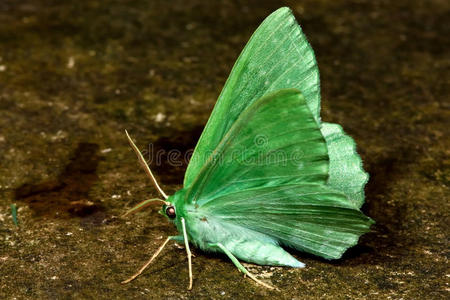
[(253, 202)]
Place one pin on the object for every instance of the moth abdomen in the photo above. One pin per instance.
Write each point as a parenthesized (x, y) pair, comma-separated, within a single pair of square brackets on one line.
[(206, 230), (262, 253)]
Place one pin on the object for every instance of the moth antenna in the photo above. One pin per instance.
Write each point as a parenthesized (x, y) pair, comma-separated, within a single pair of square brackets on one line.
[(143, 204), (149, 262), (145, 166), (188, 252)]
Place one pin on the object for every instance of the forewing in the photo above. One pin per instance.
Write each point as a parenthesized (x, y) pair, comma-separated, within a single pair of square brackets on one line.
[(275, 141), (309, 217), (277, 56)]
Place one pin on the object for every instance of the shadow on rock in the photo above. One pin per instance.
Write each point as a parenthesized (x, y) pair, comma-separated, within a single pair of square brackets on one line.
[(390, 213), (68, 195), (169, 155)]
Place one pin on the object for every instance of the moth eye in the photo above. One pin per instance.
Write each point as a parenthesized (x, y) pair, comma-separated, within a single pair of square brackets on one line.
[(170, 212)]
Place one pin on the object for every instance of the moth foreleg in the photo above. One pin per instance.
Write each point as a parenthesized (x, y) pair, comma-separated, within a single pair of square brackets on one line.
[(188, 252), (150, 260)]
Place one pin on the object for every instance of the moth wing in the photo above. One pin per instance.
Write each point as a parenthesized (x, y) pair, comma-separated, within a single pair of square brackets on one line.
[(346, 173), (310, 217), (277, 56), (275, 141)]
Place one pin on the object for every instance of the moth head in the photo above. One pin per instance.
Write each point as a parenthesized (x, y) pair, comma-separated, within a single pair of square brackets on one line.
[(169, 211), (173, 208)]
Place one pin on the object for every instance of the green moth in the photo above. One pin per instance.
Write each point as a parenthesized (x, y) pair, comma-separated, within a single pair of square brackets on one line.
[(266, 173)]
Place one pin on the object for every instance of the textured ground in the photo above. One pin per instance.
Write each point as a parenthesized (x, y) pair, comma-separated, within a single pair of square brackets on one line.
[(75, 74)]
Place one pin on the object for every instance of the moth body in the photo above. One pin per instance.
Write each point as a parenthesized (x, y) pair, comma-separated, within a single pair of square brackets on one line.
[(205, 231), (267, 173)]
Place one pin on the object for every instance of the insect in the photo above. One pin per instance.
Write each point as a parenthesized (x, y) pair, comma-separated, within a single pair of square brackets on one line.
[(266, 173)]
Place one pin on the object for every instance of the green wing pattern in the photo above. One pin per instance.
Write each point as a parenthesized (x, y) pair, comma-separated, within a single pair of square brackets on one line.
[(277, 56), (308, 217), (275, 141), (346, 173), (265, 162)]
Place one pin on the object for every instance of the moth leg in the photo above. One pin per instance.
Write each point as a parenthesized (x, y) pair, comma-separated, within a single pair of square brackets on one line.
[(180, 239), (181, 247), (150, 260), (241, 267), (188, 252)]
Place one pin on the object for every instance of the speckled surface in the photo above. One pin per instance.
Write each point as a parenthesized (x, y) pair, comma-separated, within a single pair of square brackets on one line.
[(75, 74)]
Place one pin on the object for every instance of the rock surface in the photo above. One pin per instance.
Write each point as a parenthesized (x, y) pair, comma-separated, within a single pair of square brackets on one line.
[(74, 74)]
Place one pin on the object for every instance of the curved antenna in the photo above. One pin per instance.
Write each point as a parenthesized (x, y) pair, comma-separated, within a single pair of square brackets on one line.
[(145, 166), (143, 204)]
